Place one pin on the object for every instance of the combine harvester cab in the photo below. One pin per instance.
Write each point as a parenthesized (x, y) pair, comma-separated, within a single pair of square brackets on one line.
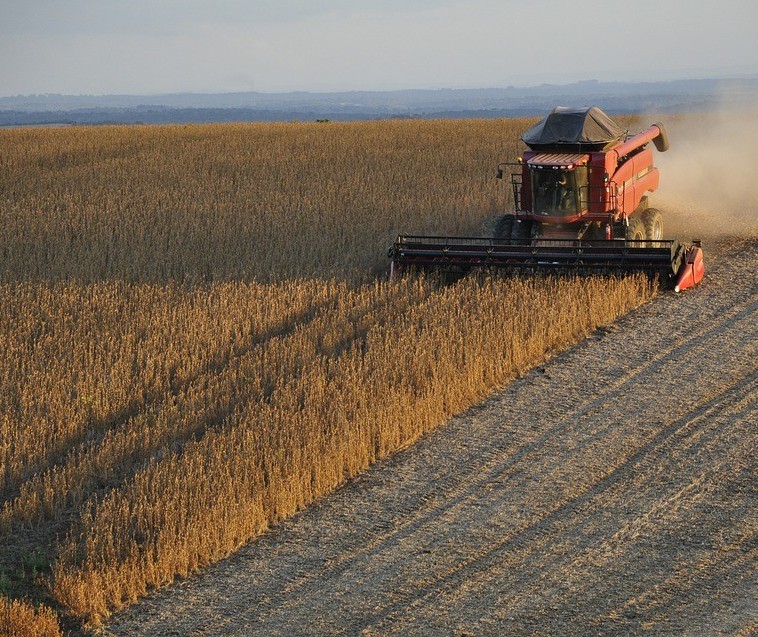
[(580, 204)]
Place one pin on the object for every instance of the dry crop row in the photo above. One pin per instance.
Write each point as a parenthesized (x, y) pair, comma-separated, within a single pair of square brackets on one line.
[(19, 619), (175, 379), (117, 349)]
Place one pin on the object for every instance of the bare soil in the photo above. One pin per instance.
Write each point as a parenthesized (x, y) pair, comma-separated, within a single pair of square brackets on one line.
[(611, 491)]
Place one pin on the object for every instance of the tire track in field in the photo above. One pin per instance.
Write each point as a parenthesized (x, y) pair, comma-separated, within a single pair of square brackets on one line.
[(738, 573), (711, 573), (580, 530), (589, 583), (734, 563), (489, 557)]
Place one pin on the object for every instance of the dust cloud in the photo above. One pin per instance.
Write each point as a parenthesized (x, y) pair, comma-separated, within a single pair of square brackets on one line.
[(709, 176)]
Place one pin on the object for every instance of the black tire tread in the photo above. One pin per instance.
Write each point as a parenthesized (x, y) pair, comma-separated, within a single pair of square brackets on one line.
[(504, 227), (652, 218), (636, 229), (522, 230)]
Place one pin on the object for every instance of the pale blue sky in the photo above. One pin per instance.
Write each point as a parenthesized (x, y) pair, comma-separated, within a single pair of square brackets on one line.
[(162, 46)]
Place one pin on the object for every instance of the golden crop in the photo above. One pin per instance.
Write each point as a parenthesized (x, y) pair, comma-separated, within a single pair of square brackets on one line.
[(195, 344), (264, 202), (19, 619)]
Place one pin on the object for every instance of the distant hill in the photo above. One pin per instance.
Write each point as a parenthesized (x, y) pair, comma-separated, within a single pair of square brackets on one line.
[(613, 97)]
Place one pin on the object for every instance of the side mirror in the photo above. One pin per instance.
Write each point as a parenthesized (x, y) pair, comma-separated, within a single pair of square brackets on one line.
[(499, 173)]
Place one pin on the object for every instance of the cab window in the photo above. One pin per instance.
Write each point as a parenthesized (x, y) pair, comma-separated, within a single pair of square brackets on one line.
[(560, 192)]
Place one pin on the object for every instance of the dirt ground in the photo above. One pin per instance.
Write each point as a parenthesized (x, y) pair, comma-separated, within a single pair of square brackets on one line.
[(611, 491)]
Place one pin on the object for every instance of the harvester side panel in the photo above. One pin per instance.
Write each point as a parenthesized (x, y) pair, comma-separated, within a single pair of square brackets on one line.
[(634, 179)]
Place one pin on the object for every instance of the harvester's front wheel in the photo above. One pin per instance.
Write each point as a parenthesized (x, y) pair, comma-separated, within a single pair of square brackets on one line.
[(504, 227), (635, 231), (522, 230), (653, 224)]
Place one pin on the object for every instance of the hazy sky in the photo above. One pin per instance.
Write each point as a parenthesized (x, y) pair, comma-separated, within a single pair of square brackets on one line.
[(163, 46)]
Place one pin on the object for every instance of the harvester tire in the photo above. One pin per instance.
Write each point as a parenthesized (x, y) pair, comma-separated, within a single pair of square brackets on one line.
[(635, 231), (504, 227), (522, 230), (653, 224)]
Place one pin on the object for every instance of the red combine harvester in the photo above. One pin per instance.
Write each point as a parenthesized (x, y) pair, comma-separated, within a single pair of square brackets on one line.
[(580, 195)]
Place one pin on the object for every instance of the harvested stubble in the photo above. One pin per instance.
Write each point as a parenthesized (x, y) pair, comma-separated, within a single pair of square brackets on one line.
[(168, 390)]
